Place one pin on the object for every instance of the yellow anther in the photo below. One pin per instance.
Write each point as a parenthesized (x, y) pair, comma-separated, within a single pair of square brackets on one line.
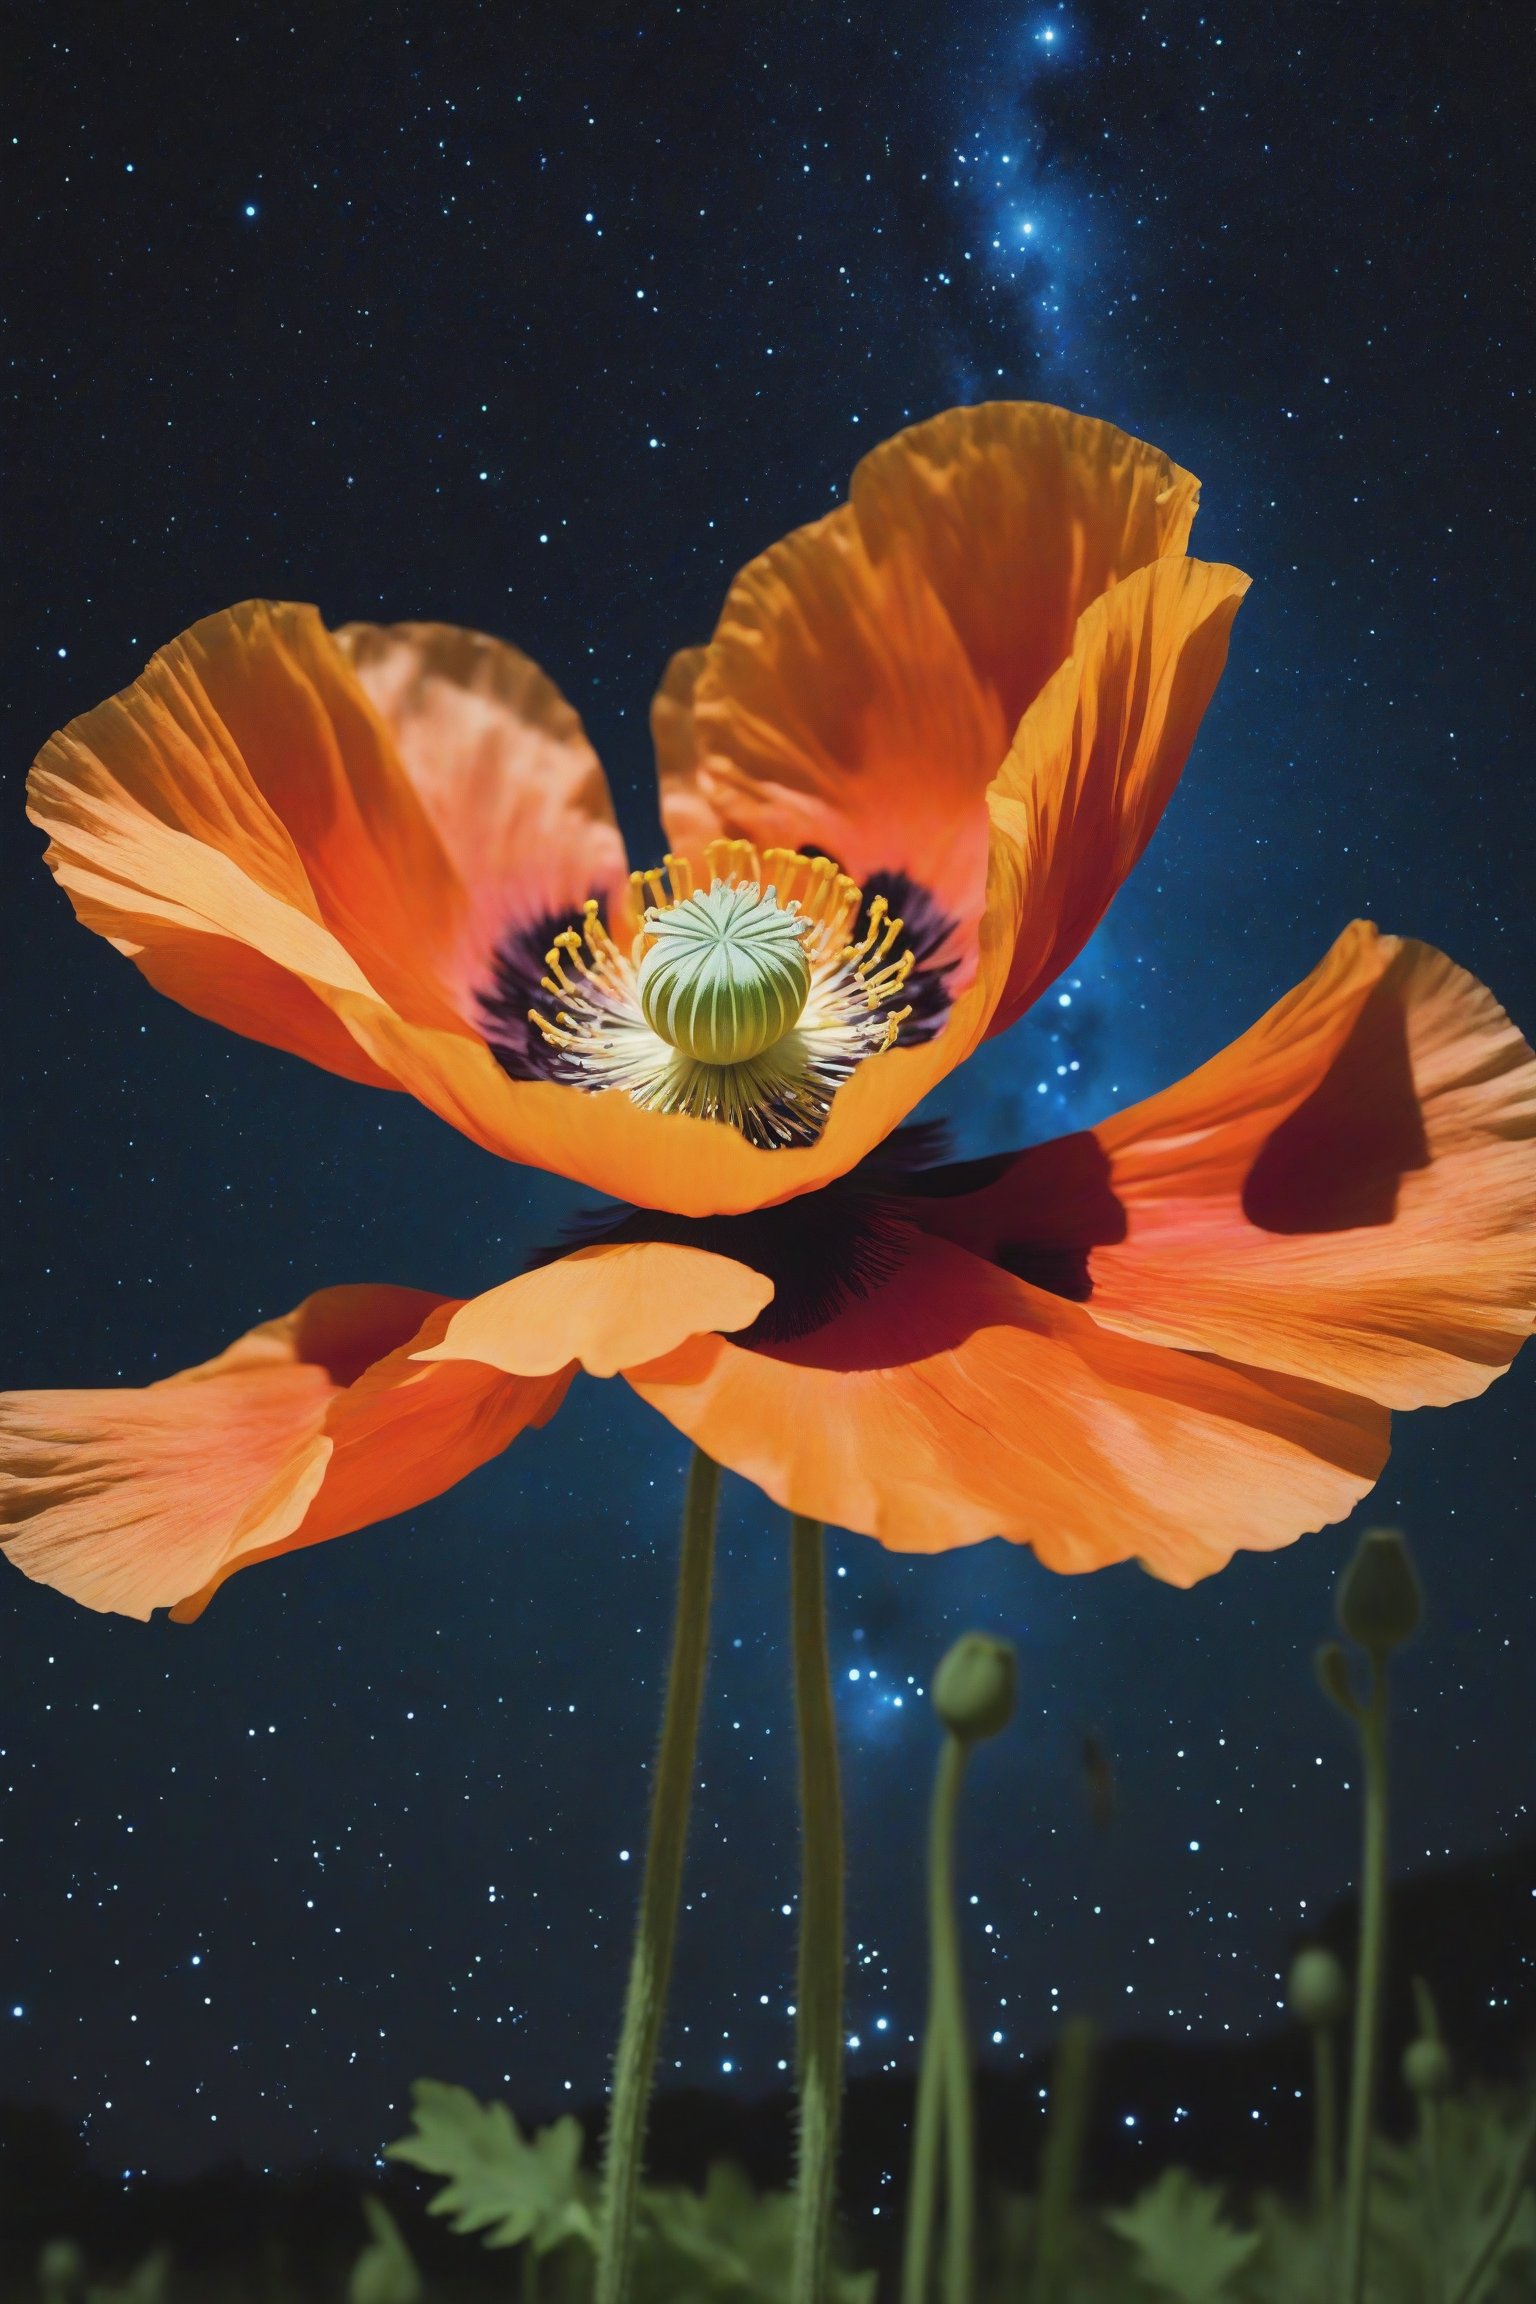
[(569, 942), (842, 904), (637, 892), (718, 857), (783, 868), (865, 944), (680, 875), (892, 931), (599, 943), (555, 1037), (552, 963), (819, 876), (889, 981)]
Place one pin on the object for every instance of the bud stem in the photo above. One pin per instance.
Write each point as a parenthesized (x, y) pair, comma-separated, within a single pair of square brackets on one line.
[(1368, 1981), (656, 1926), (1325, 2120), (819, 2001), (1061, 2157), (945, 2116)]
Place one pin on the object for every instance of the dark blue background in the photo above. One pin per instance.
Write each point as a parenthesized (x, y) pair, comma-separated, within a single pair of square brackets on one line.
[(362, 312)]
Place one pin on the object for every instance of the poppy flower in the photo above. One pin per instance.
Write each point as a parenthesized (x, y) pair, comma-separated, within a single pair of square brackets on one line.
[(932, 733)]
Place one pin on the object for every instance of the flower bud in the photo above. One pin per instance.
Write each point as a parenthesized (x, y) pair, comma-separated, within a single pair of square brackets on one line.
[(1315, 1990), (973, 1688), (1379, 1601), (1427, 2067)]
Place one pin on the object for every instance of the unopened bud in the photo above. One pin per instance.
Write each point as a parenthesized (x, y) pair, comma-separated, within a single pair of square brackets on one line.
[(1315, 1990), (973, 1689), (1379, 1600), (1427, 2067)]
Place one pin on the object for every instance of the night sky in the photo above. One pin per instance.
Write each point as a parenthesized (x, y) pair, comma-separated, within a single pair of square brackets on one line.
[(544, 322)]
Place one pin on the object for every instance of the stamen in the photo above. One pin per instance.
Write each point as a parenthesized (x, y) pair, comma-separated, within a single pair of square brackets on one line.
[(745, 1001), (877, 912)]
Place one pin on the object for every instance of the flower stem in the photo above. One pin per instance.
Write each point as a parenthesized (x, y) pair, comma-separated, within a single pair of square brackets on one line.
[(1061, 2157), (948, 2003), (1325, 2119), (656, 1926), (1368, 1983), (934, 2122), (923, 2186), (819, 1999)]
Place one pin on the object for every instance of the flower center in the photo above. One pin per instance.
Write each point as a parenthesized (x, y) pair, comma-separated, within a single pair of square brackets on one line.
[(726, 975), (748, 1002)]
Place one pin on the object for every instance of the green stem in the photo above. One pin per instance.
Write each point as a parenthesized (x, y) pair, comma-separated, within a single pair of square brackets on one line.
[(1368, 1983), (933, 2120), (1061, 2157), (819, 1999), (656, 1926), (1325, 2119), (1429, 2162), (923, 2187), (959, 2109)]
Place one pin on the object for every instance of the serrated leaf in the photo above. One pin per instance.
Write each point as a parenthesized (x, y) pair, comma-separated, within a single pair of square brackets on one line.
[(507, 2187), (1483, 2140), (1296, 2258), (726, 2245), (1184, 2246)]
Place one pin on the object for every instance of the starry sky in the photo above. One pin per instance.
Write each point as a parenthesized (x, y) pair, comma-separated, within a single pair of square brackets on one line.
[(544, 322)]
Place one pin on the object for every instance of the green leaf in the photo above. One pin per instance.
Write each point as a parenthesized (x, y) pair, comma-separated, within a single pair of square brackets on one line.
[(385, 2272), (726, 2245), (147, 2283), (1184, 2247), (1483, 2141), (501, 2184), (1296, 2258)]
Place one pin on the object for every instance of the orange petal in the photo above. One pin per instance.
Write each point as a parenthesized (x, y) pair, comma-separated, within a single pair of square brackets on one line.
[(957, 1402), (607, 1307), (306, 1428), (1097, 755), (502, 765), (1348, 1192), (867, 673)]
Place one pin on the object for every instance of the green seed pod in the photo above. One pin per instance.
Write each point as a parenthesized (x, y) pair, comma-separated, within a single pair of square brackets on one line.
[(1315, 1990), (726, 975), (1427, 2067), (1379, 1601), (974, 1687)]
